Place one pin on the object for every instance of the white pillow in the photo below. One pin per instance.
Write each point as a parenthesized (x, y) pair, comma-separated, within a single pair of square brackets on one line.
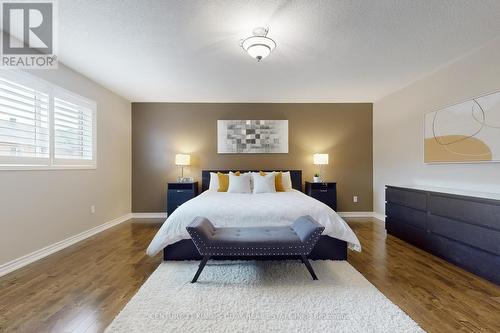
[(249, 175), (239, 184), (214, 182), (286, 180), (264, 184)]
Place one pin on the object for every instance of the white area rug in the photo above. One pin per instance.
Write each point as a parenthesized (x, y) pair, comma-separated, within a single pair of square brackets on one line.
[(265, 296)]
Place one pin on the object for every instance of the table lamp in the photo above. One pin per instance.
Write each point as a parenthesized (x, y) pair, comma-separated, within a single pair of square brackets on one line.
[(319, 160), (182, 160)]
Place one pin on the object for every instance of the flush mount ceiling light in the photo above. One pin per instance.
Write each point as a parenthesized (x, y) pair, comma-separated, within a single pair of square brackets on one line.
[(259, 45)]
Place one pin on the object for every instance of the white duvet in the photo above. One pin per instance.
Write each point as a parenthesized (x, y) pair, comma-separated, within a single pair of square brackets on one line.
[(250, 210)]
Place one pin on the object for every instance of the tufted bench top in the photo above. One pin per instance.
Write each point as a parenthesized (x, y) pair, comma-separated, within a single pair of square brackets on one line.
[(298, 239), (255, 236)]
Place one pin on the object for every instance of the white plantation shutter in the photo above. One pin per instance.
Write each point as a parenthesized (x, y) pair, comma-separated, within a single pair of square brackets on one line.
[(24, 123), (73, 129), (44, 126)]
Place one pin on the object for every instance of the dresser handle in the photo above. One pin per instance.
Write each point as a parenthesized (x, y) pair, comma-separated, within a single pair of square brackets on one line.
[(179, 191), (323, 190)]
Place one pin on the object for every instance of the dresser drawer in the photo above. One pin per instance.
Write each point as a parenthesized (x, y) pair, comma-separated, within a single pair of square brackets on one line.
[(408, 198), (405, 231), (479, 262), (469, 234), (415, 217), (466, 210)]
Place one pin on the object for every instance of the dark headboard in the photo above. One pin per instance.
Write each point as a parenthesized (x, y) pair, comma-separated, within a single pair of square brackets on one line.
[(296, 176)]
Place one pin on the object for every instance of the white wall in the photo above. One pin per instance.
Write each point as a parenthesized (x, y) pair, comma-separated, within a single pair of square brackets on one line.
[(39, 208), (398, 127)]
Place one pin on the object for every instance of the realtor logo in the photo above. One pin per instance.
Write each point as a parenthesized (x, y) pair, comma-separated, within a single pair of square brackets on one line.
[(28, 38)]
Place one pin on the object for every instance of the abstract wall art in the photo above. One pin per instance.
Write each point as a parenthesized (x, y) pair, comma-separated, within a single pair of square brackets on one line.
[(467, 132), (252, 136)]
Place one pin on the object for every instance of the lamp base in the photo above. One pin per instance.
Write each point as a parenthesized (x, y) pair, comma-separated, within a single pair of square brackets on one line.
[(185, 179)]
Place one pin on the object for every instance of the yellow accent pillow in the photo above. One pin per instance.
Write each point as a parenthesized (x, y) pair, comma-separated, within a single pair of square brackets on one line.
[(278, 181), (224, 181)]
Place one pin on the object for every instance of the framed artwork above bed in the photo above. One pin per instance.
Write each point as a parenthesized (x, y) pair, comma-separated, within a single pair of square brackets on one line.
[(252, 136)]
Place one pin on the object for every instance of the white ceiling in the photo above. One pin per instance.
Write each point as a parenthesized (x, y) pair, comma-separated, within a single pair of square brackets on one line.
[(328, 51)]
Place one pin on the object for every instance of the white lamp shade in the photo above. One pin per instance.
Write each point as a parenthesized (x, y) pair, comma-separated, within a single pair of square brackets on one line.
[(320, 159), (182, 159), (258, 51), (258, 47)]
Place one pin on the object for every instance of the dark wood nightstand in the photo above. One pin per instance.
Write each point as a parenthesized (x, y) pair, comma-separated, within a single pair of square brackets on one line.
[(179, 193), (324, 192)]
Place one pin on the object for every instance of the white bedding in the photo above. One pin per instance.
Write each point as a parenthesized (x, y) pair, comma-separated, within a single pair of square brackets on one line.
[(250, 210)]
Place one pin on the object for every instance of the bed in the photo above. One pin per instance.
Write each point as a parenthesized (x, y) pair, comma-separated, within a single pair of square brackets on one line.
[(265, 209)]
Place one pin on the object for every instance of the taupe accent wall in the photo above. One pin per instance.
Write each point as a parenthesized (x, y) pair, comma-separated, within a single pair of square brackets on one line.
[(160, 130)]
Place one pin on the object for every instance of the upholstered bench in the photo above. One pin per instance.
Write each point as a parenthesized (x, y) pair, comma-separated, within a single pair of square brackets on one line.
[(296, 240)]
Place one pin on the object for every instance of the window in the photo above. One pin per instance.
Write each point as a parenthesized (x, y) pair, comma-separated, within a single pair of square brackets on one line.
[(24, 122), (43, 126), (73, 130)]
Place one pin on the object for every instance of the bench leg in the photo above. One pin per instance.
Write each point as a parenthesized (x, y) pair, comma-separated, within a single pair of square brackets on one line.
[(309, 267), (200, 268)]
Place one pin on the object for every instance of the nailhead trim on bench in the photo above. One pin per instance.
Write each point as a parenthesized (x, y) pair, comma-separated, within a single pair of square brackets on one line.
[(304, 249)]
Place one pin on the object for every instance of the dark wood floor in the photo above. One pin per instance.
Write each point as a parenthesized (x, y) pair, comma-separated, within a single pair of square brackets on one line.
[(82, 288), (439, 296)]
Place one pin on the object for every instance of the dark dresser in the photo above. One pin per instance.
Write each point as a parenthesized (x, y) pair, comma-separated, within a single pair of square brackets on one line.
[(462, 229), (324, 192), (179, 193)]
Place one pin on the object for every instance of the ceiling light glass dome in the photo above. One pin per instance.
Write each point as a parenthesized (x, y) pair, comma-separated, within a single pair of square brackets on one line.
[(259, 45)]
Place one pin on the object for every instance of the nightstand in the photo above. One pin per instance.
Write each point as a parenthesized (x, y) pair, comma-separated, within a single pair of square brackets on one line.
[(179, 193), (324, 192)]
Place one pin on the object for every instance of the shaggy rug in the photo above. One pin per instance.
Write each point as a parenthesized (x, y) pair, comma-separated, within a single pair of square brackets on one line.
[(263, 296)]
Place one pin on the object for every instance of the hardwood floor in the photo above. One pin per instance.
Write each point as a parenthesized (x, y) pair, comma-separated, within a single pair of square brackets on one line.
[(82, 288), (439, 296)]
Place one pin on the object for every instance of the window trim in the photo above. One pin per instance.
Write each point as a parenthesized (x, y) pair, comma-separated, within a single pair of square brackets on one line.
[(13, 163)]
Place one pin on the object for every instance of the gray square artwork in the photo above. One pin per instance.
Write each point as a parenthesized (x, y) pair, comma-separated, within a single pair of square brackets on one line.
[(252, 136)]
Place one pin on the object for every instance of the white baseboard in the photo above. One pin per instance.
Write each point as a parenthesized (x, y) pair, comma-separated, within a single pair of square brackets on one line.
[(149, 215), (39, 254), (379, 216), (355, 214)]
